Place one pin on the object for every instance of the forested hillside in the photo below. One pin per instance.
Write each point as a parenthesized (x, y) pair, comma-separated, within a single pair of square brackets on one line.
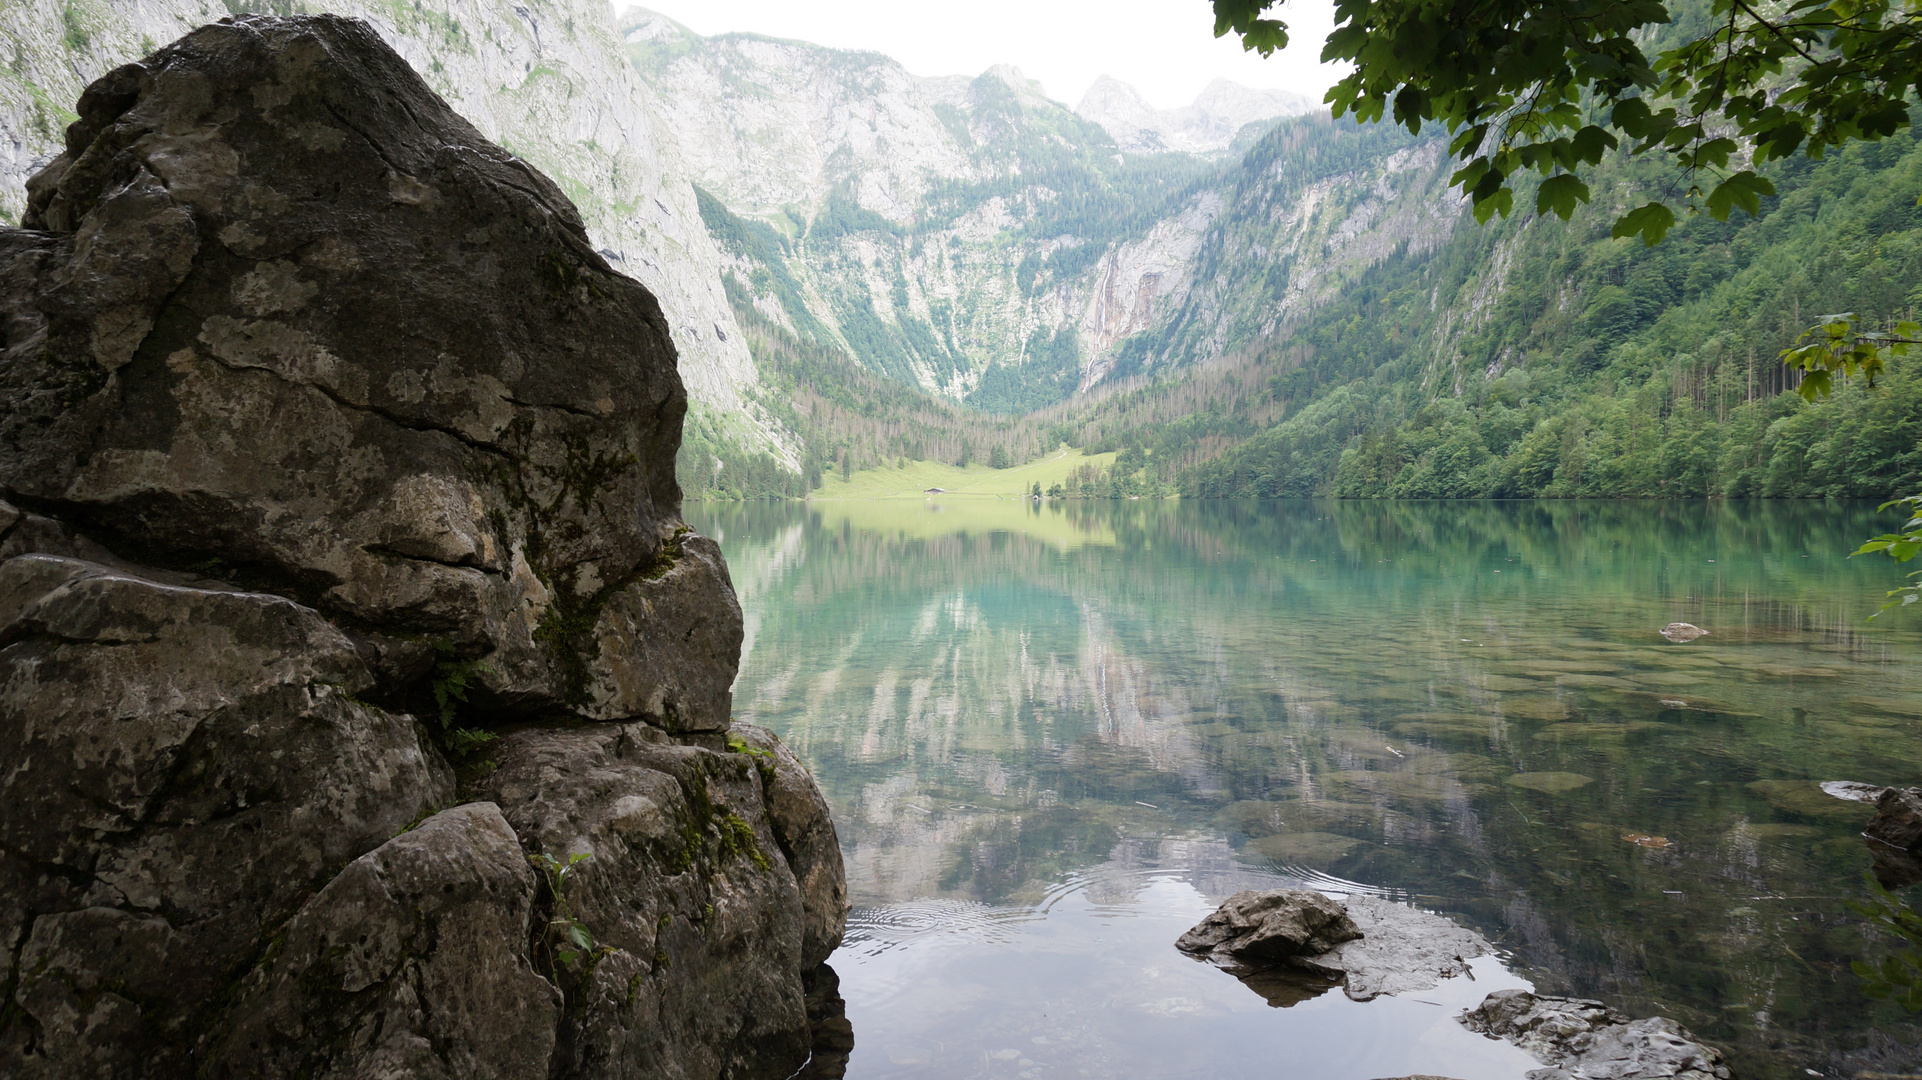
[(1541, 358)]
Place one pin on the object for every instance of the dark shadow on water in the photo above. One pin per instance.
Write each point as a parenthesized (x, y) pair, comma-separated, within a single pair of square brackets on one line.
[(1283, 986), (833, 1035)]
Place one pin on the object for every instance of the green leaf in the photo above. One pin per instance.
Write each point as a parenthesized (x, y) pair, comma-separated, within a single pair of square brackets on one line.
[(1651, 222), (1560, 194), (1500, 201), (1243, 17), (1743, 190), (1591, 143)]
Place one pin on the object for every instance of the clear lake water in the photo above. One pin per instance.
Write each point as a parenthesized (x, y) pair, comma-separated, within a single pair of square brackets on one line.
[(1054, 735)]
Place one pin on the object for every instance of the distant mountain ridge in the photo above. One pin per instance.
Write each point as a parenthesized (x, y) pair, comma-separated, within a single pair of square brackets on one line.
[(1220, 114), (981, 241)]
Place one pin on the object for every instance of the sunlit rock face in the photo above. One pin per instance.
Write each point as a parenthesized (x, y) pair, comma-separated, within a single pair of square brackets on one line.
[(330, 446)]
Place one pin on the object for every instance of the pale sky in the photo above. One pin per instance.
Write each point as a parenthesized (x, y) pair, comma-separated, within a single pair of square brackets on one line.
[(1165, 48)]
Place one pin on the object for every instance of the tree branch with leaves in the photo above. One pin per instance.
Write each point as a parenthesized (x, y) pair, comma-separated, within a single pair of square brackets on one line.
[(1834, 347), (1550, 88)]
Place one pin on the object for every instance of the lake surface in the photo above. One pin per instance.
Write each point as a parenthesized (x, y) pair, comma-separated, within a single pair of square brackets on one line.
[(1055, 735)]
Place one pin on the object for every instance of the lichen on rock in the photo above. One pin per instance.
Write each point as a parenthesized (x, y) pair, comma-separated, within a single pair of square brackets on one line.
[(321, 415)]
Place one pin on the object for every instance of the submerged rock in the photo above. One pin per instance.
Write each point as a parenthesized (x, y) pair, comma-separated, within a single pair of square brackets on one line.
[(1898, 818), (1402, 949), (1679, 632), (321, 413), (1853, 791), (1585, 1040), (1894, 837)]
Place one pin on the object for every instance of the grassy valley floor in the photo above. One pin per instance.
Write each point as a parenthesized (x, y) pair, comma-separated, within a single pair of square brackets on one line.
[(976, 480)]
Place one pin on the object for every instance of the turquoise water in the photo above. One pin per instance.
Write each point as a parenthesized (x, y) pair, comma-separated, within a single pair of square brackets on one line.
[(1056, 734)]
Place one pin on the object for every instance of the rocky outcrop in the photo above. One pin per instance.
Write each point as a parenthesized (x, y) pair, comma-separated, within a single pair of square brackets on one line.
[(1893, 835), (1402, 949), (182, 767), (333, 451), (1586, 1040), (1289, 945)]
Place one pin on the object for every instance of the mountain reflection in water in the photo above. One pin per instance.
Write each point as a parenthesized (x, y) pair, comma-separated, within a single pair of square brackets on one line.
[(1052, 732)]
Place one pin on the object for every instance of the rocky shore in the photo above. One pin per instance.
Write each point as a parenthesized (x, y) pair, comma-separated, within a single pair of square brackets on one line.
[(366, 695)]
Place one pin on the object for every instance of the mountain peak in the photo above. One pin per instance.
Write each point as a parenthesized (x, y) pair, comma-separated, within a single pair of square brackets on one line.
[(642, 24)]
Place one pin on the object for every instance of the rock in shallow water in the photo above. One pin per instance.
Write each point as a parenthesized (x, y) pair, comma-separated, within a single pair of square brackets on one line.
[(1586, 1040), (316, 404), (1289, 945), (1894, 837), (1264, 928)]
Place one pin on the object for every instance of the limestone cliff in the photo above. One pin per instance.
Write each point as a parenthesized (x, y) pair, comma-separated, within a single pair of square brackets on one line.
[(344, 573), (982, 241)]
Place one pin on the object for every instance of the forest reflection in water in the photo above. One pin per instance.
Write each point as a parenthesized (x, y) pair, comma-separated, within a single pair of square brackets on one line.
[(1465, 704)]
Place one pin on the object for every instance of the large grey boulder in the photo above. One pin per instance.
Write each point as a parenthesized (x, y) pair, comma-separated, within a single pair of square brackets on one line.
[(180, 767), (278, 310), (1579, 1039), (799, 816), (320, 413)]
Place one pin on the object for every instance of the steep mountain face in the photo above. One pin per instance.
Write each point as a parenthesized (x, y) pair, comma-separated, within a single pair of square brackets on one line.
[(544, 78), (1219, 114), (981, 241)]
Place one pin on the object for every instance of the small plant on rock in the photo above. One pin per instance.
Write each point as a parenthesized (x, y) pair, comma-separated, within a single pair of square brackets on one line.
[(453, 677), (573, 943)]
